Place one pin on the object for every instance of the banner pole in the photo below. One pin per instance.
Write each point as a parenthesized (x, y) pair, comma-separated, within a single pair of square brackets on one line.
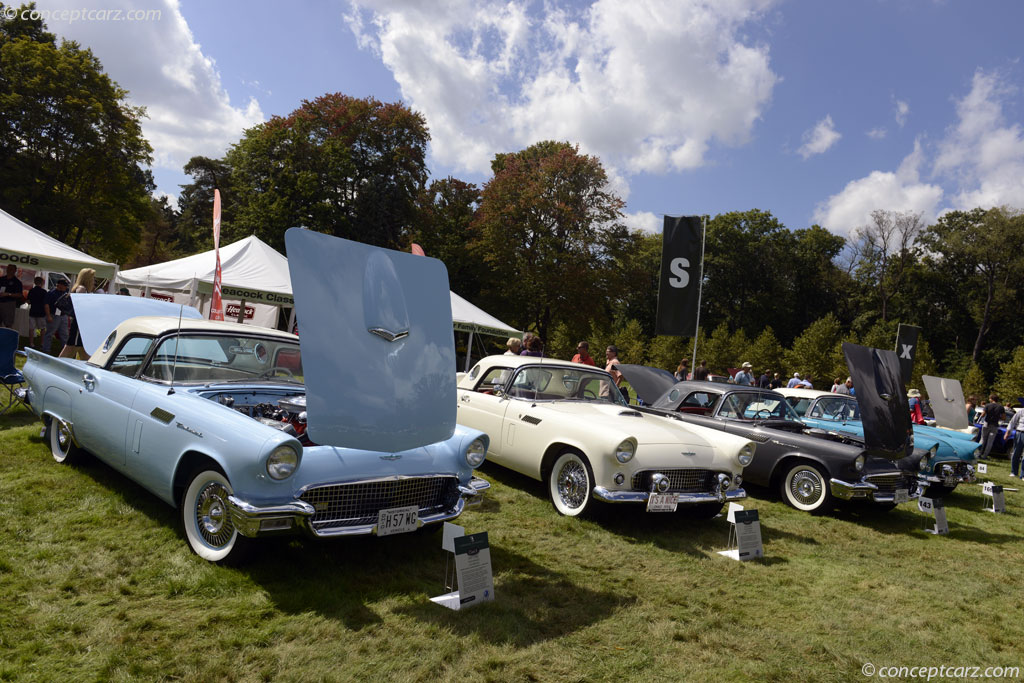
[(700, 291)]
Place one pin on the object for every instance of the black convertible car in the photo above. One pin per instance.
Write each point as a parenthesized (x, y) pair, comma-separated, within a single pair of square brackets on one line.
[(811, 467)]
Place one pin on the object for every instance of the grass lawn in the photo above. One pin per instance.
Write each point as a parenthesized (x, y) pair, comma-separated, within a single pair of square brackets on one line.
[(96, 583)]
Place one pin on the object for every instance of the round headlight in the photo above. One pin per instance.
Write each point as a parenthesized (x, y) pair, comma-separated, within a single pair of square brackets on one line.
[(282, 462), (933, 450), (476, 452), (625, 451), (858, 464), (923, 463), (746, 455)]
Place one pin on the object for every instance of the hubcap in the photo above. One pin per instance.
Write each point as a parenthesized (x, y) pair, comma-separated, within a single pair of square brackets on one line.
[(806, 487), (63, 438), (212, 516), (572, 484)]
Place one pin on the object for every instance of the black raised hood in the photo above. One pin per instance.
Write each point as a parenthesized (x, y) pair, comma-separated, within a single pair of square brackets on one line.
[(884, 409), (650, 384)]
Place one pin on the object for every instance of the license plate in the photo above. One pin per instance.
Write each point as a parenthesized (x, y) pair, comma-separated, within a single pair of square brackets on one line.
[(662, 502), (902, 496), (397, 520), (951, 480)]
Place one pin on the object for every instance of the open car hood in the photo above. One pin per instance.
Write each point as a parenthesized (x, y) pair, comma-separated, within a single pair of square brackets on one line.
[(650, 384), (99, 314), (378, 351), (884, 410), (947, 401)]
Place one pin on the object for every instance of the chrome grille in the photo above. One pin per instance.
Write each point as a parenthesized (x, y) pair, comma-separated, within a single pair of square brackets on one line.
[(680, 480), (356, 504), (888, 483), (959, 467)]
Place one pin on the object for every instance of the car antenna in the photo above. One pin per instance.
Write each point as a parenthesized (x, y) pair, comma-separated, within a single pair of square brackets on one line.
[(177, 338)]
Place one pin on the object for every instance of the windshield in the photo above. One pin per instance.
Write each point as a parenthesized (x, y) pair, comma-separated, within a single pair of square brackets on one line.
[(742, 405), (564, 384), (204, 358), (836, 408)]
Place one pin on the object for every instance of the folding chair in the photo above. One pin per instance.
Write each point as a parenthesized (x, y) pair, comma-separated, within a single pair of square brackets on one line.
[(10, 377)]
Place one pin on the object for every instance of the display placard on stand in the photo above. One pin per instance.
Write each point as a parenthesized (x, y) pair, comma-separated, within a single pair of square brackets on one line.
[(745, 531), (982, 468), (473, 578), (937, 509), (995, 491)]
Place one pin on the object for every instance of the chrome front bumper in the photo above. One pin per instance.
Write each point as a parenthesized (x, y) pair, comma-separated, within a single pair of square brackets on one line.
[(603, 494), (271, 520), (940, 479), (865, 490)]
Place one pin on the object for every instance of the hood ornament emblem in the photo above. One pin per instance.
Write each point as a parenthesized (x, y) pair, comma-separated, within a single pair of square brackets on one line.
[(388, 335), (393, 456)]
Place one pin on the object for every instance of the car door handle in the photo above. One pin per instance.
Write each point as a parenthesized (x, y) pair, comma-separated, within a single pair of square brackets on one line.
[(464, 398), (89, 382)]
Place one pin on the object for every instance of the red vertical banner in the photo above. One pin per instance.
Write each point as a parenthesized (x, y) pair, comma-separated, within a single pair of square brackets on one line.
[(216, 305)]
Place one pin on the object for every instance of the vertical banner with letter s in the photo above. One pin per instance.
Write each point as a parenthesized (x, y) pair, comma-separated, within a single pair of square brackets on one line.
[(679, 286), (216, 305), (906, 349)]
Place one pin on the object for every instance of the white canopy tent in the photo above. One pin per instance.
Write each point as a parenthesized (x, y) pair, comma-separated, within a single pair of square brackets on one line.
[(254, 272), (28, 248), (251, 271)]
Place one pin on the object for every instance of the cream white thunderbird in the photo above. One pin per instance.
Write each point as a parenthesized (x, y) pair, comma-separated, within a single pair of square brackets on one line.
[(567, 424)]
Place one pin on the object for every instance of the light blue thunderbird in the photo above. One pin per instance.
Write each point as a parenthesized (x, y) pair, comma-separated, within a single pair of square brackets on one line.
[(951, 459), (252, 432)]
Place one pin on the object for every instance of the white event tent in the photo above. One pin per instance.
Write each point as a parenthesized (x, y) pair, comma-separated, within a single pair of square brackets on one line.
[(253, 272), (30, 249)]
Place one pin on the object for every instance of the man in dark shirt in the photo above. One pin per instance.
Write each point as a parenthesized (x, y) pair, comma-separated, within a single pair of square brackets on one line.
[(991, 414), (10, 296), (55, 308), (765, 380), (36, 311), (700, 373)]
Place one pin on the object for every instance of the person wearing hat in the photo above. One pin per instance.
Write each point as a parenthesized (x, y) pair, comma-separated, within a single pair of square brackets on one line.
[(514, 345), (795, 380), (744, 376), (916, 415)]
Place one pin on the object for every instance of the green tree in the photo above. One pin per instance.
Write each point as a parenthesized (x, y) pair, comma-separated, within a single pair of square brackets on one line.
[(886, 252), (766, 353), (818, 351), (72, 156), (1010, 382), (444, 227), (541, 221), (195, 205), (924, 364), (719, 351), (665, 352), (157, 241), (340, 165), (975, 383)]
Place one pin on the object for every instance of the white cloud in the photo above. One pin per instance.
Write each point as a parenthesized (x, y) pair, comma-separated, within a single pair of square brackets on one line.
[(819, 139), (649, 86), (850, 209), (877, 133), (164, 70), (902, 110), (984, 154), (645, 221)]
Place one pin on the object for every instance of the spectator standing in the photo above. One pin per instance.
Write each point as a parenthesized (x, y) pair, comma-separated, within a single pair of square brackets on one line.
[(534, 347), (611, 354), (583, 354), (1018, 441), (805, 383), (36, 312), (794, 380), (85, 283), (765, 380), (10, 295), (846, 387), (972, 408), (991, 414), (57, 309), (914, 400), (776, 382), (682, 372), (836, 383), (744, 377), (700, 373), (514, 346)]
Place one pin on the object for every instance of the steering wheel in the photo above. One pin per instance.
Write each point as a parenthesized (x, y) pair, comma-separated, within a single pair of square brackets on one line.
[(270, 372), (767, 414), (589, 393)]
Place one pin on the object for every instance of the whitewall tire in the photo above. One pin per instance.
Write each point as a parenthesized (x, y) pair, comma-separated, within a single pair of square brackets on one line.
[(62, 446), (571, 483), (206, 519), (806, 488)]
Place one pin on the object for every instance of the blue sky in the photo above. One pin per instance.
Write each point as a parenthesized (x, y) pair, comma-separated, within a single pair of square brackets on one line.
[(817, 111)]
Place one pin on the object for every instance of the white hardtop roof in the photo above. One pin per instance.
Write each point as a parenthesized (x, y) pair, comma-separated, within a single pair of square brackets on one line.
[(157, 325), (39, 251), (808, 393)]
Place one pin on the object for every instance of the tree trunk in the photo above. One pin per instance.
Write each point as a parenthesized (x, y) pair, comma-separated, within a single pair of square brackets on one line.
[(985, 319)]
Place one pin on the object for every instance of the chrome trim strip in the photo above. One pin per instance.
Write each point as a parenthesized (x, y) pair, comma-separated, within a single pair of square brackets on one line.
[(362, 480), (388, 335), (865, 490), (603, 494)]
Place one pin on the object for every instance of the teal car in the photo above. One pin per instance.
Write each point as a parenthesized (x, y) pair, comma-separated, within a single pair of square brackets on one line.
[(952, 458)]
